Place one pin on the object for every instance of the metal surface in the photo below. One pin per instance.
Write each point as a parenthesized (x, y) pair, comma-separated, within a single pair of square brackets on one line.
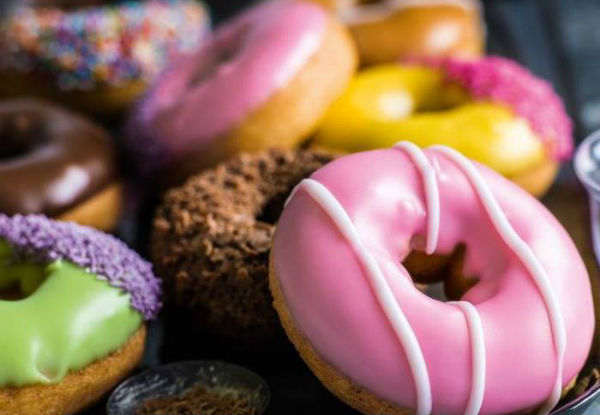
[(176, 378)]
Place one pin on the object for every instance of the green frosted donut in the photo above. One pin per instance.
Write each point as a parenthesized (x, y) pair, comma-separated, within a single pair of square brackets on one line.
[(70, 311)]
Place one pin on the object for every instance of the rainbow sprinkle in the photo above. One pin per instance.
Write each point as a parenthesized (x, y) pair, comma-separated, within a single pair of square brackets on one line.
[(105, 45)]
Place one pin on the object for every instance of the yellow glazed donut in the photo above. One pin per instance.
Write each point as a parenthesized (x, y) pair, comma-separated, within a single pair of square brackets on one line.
[(492, 110), (386, 30)]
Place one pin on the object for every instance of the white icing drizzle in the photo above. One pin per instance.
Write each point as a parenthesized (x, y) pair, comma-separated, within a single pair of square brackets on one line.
[(527, 257), (475, 328), (478, 356), (432, 193), (327, 201), (404, 332), (292, 194)]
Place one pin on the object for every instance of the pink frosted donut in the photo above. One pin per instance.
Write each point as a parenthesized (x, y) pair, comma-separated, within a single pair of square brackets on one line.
[(263, 79), (512, 342)]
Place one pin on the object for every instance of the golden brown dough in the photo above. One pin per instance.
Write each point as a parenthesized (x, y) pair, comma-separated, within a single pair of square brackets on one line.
[(101, 211), (432, 28), (78, 389)]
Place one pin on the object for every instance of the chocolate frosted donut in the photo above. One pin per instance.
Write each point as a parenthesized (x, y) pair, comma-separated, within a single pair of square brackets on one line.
[(211, 240), (57, 163)]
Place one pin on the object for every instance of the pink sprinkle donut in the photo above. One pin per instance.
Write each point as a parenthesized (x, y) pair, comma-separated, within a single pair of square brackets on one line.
[(504, 81), (263, 79), (511, 343)]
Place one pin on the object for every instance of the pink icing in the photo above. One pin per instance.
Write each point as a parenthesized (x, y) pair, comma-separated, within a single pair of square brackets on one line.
[(207, 93), (333, 304), (505, 81)]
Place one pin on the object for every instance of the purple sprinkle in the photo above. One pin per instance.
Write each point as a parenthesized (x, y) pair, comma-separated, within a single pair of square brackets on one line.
[(41, 240), (505, 81)]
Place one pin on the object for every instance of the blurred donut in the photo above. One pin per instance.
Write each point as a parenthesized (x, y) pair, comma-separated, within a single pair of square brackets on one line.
[(57, 163), (387, 30), (94, 56), (265, 79)]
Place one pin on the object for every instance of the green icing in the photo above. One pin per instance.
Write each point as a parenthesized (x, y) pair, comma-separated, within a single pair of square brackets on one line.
[(68, 319)]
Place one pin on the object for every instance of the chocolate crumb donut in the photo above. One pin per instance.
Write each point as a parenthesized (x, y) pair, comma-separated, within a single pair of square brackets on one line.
[(211, 239)]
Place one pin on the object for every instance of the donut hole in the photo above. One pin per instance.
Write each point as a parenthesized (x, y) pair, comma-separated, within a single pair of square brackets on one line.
[(220, 56), (289, 173), (440, 97), (19, 135), (397, 93), (20, 281), (12, 293), (447, 98), (441, 277), (273, 206)]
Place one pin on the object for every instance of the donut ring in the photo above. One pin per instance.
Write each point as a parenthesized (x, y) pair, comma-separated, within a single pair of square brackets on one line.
[(57, 163), (97, 58), (388, 30), (491, 109), (211, 239), (83, 298), (381, 345), (262, 80)]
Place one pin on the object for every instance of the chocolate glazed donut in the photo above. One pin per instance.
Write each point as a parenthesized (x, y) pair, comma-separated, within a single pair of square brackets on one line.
[(57, 163)]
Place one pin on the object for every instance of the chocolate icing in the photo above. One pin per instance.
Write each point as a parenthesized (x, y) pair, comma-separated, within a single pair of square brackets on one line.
[(211, 240), (50, 159)]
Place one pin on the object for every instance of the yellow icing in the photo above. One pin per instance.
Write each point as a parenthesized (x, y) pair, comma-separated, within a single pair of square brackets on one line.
[(390, 103)]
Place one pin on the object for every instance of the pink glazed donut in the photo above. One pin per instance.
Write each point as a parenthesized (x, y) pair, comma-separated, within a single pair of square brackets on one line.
[(513, 342), (262, 80)]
